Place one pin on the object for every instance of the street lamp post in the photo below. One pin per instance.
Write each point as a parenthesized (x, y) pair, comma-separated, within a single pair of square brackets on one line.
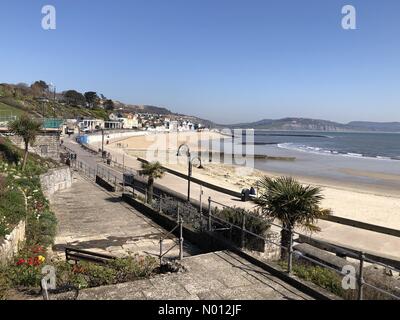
[(102, 142), (190, 165)]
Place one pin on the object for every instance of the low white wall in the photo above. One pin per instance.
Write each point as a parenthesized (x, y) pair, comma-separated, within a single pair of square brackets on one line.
[(55, 180), (12, 243), (93, 138)]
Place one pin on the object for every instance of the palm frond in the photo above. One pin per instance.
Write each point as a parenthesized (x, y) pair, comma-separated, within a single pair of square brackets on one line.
[(152, 169), (292, 203)]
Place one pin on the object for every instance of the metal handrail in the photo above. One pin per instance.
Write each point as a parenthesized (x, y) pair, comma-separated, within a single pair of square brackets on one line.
[(179, 242)]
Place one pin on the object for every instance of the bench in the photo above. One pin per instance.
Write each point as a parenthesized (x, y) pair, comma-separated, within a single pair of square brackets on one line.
[(73, 254)]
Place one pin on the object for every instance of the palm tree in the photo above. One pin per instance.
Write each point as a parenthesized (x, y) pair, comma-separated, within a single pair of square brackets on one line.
[(153, 170), (27, 128), (291, 203)]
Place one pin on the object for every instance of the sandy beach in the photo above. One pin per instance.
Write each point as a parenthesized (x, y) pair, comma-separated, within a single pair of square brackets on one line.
[(370, 205)]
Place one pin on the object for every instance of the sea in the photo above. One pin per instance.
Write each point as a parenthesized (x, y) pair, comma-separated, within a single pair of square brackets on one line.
[(356, 158), (352, 144)]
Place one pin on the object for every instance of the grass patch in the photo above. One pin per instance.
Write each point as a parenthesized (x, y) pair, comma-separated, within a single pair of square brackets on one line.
[(7, 110)]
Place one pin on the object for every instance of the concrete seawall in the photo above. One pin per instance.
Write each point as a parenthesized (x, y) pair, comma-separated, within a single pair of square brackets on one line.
[(94, 138)]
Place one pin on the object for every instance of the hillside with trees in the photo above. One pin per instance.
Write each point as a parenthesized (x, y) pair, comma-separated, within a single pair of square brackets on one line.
[(40, 99)]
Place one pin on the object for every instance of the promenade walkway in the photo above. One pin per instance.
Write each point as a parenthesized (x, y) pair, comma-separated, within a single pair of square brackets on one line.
[(93, 219)]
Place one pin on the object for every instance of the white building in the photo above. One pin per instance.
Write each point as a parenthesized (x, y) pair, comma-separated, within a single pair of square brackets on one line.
[(130, 121), (91, 124)]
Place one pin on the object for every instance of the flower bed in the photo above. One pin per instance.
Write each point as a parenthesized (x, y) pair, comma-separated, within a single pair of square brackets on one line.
[(25, 272)]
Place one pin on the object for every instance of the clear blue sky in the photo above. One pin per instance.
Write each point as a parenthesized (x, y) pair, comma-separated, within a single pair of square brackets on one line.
[(225, 60)]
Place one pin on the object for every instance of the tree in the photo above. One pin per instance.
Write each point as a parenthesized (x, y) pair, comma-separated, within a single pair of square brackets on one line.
[(39, 87), (91, 98), (109, 105), (291, 203), (27, 128), (153, 170), (75, 98)]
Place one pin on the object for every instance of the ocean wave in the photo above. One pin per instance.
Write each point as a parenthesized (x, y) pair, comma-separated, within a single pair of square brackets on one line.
[(322, 151)]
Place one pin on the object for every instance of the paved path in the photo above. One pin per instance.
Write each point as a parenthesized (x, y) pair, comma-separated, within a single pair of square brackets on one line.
[(212, 276), (91, 218)]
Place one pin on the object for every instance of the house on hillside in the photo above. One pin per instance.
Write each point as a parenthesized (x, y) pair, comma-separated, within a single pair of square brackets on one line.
[(128, 121)]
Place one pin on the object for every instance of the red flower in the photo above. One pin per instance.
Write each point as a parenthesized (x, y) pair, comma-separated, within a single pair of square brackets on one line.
[(30, 261), (20, 261)]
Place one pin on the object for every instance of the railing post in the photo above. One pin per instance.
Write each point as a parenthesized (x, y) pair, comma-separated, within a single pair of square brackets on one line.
[(361, 277), (160, 208), (243, 231), (209, 214), (290, 251), (178, 214), (180, 239), (161, 249)]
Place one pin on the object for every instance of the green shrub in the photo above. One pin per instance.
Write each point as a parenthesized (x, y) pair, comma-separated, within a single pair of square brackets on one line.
[(5, 284), (12, 209), (87, 274), (25, 270), (131, 268), (70, 276), (253, 223), (25, 276), (41, 229), (322, 277)]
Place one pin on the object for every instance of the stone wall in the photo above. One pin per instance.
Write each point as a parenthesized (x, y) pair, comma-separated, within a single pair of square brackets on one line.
[(12, 243), (55, 180), (47, 145)]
